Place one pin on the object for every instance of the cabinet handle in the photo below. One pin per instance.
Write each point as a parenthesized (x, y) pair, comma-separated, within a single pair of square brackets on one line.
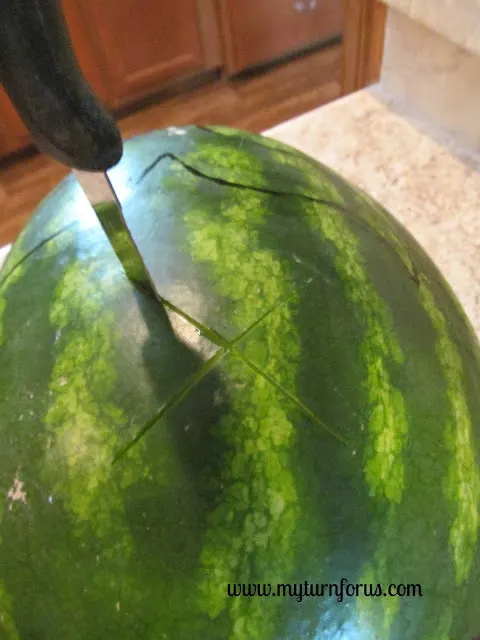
[(303, 6)]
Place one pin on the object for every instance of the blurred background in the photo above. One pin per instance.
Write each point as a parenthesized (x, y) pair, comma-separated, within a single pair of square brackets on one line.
[(249, 64)]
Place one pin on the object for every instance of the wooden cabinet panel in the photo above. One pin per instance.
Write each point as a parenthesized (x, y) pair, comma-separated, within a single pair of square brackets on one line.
[(13, 135), (130, 48), (144, 44), (363, 37), (256, 31), (83, 41)]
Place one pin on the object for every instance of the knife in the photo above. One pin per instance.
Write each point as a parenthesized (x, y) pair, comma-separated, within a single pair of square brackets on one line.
[(40, 73)]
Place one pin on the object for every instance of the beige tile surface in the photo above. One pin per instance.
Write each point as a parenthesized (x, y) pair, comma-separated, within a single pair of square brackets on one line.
[(434, 77), (457, 20), (423, 183)]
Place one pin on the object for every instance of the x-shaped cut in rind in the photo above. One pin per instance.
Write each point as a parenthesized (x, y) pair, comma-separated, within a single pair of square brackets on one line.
[(225, 347)]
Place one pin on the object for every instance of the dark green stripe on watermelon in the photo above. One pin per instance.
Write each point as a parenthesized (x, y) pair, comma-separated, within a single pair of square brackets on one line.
[(303, 408)]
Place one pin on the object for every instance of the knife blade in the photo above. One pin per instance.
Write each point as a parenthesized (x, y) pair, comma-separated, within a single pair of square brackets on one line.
[(103, 198)]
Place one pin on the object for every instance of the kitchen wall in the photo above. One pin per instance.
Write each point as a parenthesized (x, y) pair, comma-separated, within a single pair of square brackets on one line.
[(432, 64)]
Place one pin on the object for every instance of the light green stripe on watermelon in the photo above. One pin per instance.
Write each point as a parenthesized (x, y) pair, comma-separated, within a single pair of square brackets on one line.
[(387, 425), (322, 183), (309, 177), (84, 425), (444, 625), (80, 424), (8, 628), (462, 486), (376, 572), (231, 164), (251, 535), (268, 143)]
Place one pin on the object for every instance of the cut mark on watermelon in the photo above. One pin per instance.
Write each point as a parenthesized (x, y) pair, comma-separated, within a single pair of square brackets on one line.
[(177, 397), (207, 332), (238, 185), (38, 246), (213, 335), (287, 393), (230, 345), (226, 346), (269, 144), (415, 276), (255, 324)]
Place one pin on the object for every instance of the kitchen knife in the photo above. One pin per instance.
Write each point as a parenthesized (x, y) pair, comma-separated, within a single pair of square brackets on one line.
[(40, 74)]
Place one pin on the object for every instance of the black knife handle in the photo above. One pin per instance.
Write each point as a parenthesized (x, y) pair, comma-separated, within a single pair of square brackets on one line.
[(39, 71)]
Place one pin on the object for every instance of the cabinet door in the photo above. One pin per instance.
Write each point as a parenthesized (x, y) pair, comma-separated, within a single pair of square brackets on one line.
[(130, 48), (143, 44), (256, 31), (13, 135), (83, 37)]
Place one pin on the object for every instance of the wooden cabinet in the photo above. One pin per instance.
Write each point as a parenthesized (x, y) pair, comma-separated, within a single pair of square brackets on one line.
[(13, 135), (78, 16), (257, 31), (128, 49), (144, 45)]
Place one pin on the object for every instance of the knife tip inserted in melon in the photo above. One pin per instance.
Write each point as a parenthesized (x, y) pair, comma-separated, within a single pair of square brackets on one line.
[(102, 196)]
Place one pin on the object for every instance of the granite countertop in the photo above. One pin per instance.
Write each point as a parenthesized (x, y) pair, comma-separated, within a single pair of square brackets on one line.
[(431, 186)]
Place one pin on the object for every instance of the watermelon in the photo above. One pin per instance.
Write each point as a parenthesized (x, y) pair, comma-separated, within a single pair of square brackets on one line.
[(297, 415)]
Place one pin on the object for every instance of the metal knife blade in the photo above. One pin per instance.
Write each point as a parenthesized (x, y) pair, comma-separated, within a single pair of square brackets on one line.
[(102, 196)]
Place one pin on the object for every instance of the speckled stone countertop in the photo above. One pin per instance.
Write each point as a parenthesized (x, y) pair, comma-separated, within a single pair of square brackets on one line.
[(428, 183), (423, 178)]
